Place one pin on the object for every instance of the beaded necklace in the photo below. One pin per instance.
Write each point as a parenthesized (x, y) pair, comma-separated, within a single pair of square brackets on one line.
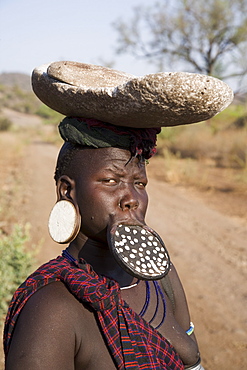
[(158, 292)]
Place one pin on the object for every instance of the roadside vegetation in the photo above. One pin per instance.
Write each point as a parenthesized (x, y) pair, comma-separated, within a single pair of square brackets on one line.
[(16, 262), (14, 98), (216, 145)]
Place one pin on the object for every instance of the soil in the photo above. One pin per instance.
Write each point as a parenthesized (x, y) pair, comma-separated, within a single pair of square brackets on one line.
[(203, 231)]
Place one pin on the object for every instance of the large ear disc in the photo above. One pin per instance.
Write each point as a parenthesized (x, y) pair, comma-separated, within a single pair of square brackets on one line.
[(64, 222)]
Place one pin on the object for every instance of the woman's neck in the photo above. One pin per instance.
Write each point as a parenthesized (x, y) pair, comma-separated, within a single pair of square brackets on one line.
[(100, 258)]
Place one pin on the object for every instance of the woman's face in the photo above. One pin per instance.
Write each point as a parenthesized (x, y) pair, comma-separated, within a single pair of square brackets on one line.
[(110, 189)]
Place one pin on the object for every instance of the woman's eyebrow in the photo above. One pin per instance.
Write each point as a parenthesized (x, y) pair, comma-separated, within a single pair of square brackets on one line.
[(113, 166), (114, 170)]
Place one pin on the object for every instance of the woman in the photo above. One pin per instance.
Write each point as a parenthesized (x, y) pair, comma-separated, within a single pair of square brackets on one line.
[(113, 299)]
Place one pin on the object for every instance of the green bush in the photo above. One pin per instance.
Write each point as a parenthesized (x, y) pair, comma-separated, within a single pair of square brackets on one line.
[(5, 124), (16, 264)]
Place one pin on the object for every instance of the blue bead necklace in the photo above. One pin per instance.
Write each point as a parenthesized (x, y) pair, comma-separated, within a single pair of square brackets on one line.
[(158, 291)]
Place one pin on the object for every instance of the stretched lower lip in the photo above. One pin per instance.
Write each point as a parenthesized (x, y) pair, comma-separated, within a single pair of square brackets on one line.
[(128, 219), (127, 222), (130, 222)]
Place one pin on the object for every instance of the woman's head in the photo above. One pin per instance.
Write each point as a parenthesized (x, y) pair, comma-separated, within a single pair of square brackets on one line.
[(101, 169), (107, 186)]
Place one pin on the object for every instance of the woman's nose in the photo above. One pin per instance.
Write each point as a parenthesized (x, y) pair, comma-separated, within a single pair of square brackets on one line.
[(128, 200)]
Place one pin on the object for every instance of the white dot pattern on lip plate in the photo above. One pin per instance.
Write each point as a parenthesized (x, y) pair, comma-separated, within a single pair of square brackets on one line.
[(141, 245)]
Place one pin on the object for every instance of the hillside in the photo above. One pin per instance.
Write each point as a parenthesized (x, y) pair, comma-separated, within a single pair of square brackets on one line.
[(16, 94), (23, 81)]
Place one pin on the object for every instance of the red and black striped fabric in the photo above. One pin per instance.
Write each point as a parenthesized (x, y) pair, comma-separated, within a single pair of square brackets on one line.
[(132, 342)]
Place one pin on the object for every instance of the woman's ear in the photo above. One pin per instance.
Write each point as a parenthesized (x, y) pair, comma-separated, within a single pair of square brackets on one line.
[(66, 189)]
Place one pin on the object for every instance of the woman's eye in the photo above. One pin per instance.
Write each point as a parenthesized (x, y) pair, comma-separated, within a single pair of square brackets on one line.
[(110, 181), (140, 183)]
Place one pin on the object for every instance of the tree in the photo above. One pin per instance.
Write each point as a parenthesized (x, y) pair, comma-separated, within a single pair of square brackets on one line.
[(208, 37)]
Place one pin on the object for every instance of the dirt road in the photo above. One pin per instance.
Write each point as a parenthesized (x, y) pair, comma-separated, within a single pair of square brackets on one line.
[(207, 247), (209, 251)]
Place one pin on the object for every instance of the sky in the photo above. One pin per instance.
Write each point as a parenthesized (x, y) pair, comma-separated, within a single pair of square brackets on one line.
[(36, 32)]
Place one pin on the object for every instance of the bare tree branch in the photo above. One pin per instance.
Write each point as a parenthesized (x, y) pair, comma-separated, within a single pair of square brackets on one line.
[(205, 36)]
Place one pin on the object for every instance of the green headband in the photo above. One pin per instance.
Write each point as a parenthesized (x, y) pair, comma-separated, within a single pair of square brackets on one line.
[(97, 134)]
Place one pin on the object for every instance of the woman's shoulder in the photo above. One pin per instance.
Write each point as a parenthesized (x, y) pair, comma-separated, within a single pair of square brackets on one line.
[(49, 328), (56, 301)]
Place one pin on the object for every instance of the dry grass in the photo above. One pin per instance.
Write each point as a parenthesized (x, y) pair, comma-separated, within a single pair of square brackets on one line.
[(223, 188), (210, 157), (219, 143)]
